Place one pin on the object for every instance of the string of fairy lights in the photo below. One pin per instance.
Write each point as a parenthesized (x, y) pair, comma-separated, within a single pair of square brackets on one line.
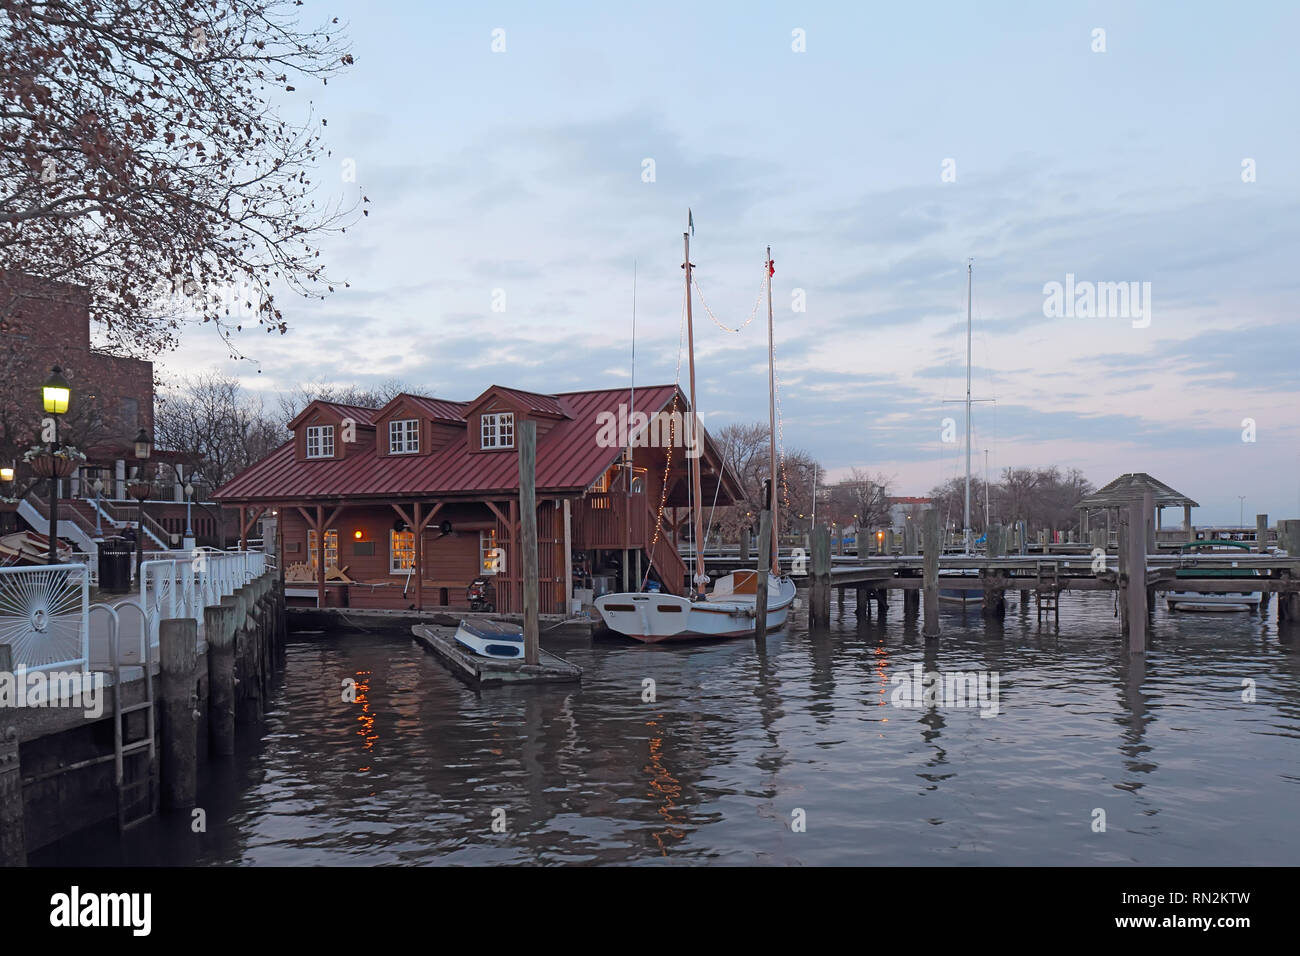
[(672, 440), (762, 287)]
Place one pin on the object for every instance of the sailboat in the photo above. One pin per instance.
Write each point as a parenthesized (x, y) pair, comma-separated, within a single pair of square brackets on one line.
[(731, 608), (962, 596)]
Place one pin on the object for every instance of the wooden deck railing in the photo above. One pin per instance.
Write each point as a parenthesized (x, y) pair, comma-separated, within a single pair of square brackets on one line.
[(600, 520)]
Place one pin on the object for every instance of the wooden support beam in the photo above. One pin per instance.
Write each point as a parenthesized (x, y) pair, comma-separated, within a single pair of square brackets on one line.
[(1137, 578), (1261, 533), (526, 437), (320, 556), (764, 567), (417, 557)]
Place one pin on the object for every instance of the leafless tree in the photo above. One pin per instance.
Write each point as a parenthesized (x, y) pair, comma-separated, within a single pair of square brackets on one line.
[(745, 448), (294, 401), (149, 154)]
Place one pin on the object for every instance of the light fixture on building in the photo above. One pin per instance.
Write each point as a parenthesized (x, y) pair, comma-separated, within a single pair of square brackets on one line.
[(143, 445), (358, 534)]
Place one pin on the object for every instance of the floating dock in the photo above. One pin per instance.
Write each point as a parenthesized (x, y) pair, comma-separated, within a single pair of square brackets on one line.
[(485, 670)]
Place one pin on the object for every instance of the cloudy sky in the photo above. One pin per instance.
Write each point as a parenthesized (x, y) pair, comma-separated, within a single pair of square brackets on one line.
[(899, 141)]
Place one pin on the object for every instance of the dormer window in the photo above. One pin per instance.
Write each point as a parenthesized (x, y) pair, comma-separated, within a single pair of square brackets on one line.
[(498, 430), (404, 436), (320, 441)]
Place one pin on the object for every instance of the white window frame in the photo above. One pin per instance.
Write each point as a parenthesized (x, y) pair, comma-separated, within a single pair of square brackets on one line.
[(404, 436), (491, 555), (331, 550), (323, 438), (397, 555), (497, 430)]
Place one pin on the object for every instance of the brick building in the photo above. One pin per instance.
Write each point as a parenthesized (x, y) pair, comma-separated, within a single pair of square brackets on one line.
[(45, 323)]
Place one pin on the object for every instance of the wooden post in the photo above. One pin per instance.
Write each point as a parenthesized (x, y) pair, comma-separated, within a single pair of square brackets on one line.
[(178, 651), (819, 597), (909, 538), (1137, 578), (527, 438), (744, 546), (568, 558), (764, 569), (13, 826), (864, 542), (1187, 523), (219, 632), (1261, 533), (930, 543), (320, 555)]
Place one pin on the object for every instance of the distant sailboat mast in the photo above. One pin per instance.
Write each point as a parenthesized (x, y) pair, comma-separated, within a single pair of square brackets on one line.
[(966, 532), (771, 419)]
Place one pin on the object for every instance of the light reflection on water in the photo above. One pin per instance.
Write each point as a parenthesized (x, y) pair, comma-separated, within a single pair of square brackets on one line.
[(740, 738)]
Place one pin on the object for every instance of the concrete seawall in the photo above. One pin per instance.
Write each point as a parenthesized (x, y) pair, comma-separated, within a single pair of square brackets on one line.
[(59, 765)]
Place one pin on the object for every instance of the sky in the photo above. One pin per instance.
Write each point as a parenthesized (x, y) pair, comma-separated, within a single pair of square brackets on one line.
[(876, 148)]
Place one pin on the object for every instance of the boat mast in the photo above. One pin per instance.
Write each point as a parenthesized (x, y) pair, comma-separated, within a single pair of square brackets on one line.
[(986, 495), (697, 574), (771, 419), (966, 536)]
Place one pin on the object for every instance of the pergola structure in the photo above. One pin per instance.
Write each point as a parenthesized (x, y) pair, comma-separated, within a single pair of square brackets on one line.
[(1126, 489)]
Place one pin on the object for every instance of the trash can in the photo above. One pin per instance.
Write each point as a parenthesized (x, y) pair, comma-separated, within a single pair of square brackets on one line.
[(115, 555)]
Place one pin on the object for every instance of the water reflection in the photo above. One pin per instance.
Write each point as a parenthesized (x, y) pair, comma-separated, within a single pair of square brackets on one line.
[(740, 737)]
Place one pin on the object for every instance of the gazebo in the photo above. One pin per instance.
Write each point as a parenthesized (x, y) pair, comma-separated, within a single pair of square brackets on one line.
[(1126, 489)]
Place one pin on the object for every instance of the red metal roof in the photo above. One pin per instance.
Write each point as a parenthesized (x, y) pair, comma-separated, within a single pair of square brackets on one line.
[(568, 459), (359, 413)]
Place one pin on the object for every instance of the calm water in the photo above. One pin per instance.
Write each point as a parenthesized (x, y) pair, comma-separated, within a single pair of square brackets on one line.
[(738, 741)]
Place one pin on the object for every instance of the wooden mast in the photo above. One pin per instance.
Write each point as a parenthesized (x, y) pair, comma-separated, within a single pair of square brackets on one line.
[(697, 572), (771, 418)]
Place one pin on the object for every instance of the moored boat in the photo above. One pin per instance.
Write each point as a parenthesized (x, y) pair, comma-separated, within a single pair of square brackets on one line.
[(1243, 600), (491, 639)]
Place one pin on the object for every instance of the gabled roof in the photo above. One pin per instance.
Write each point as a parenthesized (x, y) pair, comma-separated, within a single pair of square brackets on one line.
[(1132, 486), (535, 402), (569, 459), (360, 414), (436, 408)]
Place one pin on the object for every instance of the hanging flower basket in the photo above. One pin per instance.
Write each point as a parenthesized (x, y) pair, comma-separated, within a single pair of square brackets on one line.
[(139, 490), (58, 463), (9, 505)]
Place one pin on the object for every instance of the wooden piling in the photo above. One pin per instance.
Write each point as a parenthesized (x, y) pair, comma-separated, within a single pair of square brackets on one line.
[(862, 601), (219, 632), (930, 583), (13, 825), (178, 651), (527, 438), (1261, 533), (764, 566), (819, 597), (910, 545), (1137, 578), (744, 545)]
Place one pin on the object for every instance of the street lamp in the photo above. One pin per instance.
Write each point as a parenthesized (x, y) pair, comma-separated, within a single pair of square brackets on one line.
[(1241, 514), (189, 531), (7, 476), (98, 485), (56, 394), (140, 491)]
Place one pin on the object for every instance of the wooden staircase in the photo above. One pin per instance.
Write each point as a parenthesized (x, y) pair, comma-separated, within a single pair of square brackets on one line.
[(1048, 589)]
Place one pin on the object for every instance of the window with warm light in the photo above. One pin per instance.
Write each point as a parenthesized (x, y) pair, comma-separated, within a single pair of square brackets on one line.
[(331, 549), (497, 430), (491, 557), (320, 441), (401, 552), (404, 436)]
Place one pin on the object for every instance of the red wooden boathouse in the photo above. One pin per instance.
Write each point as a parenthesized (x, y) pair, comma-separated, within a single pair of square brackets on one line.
[(415, 500)]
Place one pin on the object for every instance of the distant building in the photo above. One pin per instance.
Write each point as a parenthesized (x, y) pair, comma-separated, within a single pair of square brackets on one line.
[(903, 510)]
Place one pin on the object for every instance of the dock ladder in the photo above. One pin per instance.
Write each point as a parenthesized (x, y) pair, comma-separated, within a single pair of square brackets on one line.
[(137, 788), (1047, 589)]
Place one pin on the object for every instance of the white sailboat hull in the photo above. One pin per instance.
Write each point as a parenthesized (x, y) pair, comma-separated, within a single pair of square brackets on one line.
[(655, 618)]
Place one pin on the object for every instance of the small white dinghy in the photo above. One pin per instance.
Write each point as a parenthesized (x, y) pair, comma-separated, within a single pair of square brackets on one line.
[(495, 639)]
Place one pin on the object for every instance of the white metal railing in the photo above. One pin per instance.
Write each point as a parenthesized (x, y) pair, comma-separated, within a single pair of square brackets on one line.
[(44, 616), (183, 587)]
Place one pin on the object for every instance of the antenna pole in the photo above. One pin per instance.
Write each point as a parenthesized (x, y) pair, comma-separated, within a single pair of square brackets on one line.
[(966, 536)]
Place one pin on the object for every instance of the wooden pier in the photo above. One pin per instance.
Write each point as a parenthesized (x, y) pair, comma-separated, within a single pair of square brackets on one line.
[(478, 670)]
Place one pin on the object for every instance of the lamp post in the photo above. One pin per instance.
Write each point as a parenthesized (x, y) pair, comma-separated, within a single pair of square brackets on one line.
[(7, 476), (98, 485), (140, 491), (56, 393), (189, 529), (1241, 513)]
